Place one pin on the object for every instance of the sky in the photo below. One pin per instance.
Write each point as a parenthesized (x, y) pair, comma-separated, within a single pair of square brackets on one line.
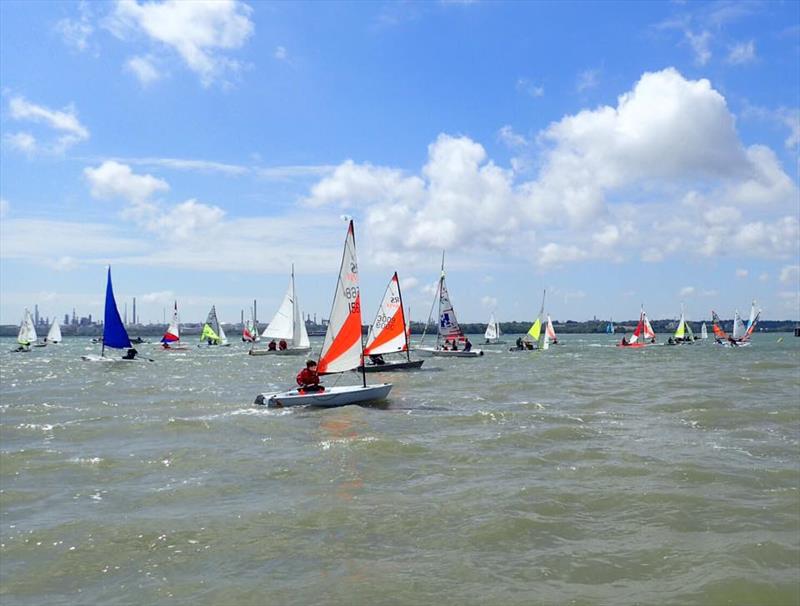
[(617, 154)]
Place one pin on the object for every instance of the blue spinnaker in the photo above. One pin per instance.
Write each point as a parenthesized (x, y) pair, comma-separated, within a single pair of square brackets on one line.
[(114, 333)]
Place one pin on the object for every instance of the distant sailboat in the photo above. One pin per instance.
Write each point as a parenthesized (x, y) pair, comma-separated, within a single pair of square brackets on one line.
[(610, 327), (493, 332), (286, 327), (449, 333), (27, 333), (54, 334), (171, 341), (532, 338), (389, 333), (550, 337), (250, 327), (643, 335), (740, 337), (683, 333), (703, 331), (114, 334), (342, 349), (213, 333)]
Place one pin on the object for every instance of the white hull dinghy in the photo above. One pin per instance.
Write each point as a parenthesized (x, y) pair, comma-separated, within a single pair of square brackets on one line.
[(449, 330), (342, 349), (286, 325), (389, 334), (741, 333), (343, 395)]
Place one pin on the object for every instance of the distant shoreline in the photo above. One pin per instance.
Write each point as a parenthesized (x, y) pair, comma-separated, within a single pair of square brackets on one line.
[(417, 328)]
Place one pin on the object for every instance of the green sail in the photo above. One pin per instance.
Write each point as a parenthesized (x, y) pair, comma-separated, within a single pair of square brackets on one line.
[(208, 333), (681, 330)]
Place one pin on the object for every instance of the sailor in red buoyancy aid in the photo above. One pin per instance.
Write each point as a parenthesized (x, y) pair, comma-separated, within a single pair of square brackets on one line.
[(308, 379)]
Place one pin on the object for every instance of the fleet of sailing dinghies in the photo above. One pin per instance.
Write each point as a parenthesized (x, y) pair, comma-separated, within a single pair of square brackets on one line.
[(171, 341), (286, 328), (741, 333), (342, 348), (450, 339), (643, 335), (213, 333), (389, 334), (114, 334), (493, 332)]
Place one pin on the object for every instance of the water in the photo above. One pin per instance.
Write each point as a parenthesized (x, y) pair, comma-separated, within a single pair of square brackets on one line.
[(581, 475)]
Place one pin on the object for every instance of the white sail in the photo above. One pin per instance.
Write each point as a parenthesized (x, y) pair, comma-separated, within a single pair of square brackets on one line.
[(223, 339), (448, 325), (27, 331), (492, 329), (388, 332), (54, 334), (549, 331), (703, 331), (738, 326), (287, 323), (282, 324), (649, 333), (342, 347)]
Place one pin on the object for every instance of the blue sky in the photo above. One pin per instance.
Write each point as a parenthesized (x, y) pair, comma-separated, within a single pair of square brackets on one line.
[(613, 153)]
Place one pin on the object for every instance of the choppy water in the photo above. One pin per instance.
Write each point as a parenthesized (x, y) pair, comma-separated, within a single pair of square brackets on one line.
[(582, 475)]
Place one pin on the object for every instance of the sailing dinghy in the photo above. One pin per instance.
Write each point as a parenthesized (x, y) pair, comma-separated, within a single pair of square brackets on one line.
[(643, 336), (114, 334), (27, 333), (286, 326), (532, 339), (342, 349), (704, 332), (171, 341), (493, 332), (389, 334), (741, 333), (213, 333), (550, 337), (683, 333), (449, 333), (54, 334)]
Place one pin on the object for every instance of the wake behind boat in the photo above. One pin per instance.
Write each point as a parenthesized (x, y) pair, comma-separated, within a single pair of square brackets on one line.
[(342, 349)]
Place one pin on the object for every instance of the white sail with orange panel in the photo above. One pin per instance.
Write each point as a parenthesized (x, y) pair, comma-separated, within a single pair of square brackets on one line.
[(387, 334), (342, 347)]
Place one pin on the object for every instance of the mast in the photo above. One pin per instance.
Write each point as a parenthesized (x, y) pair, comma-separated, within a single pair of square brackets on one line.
[(360, 331), (403, 314), (295, 336), (439, 320)]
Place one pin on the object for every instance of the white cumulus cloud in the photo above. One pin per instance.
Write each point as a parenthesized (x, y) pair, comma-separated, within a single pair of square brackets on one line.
[(65, 122), (114, 180), (201, 33)]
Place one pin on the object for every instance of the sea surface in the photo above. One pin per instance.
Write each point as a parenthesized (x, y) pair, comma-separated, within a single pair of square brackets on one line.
[(582, 475)]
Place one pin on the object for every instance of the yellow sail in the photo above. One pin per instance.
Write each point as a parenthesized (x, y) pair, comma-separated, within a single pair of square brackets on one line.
[(536, 329), (681, 329), (209, 334)]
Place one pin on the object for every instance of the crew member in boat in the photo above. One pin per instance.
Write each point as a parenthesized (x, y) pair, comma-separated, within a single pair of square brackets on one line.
[(130, 354), (520, 346), (467, 344), (272, 346), (308, 379), (377, 359), (624, 342), (282, 345), (455, 345)]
